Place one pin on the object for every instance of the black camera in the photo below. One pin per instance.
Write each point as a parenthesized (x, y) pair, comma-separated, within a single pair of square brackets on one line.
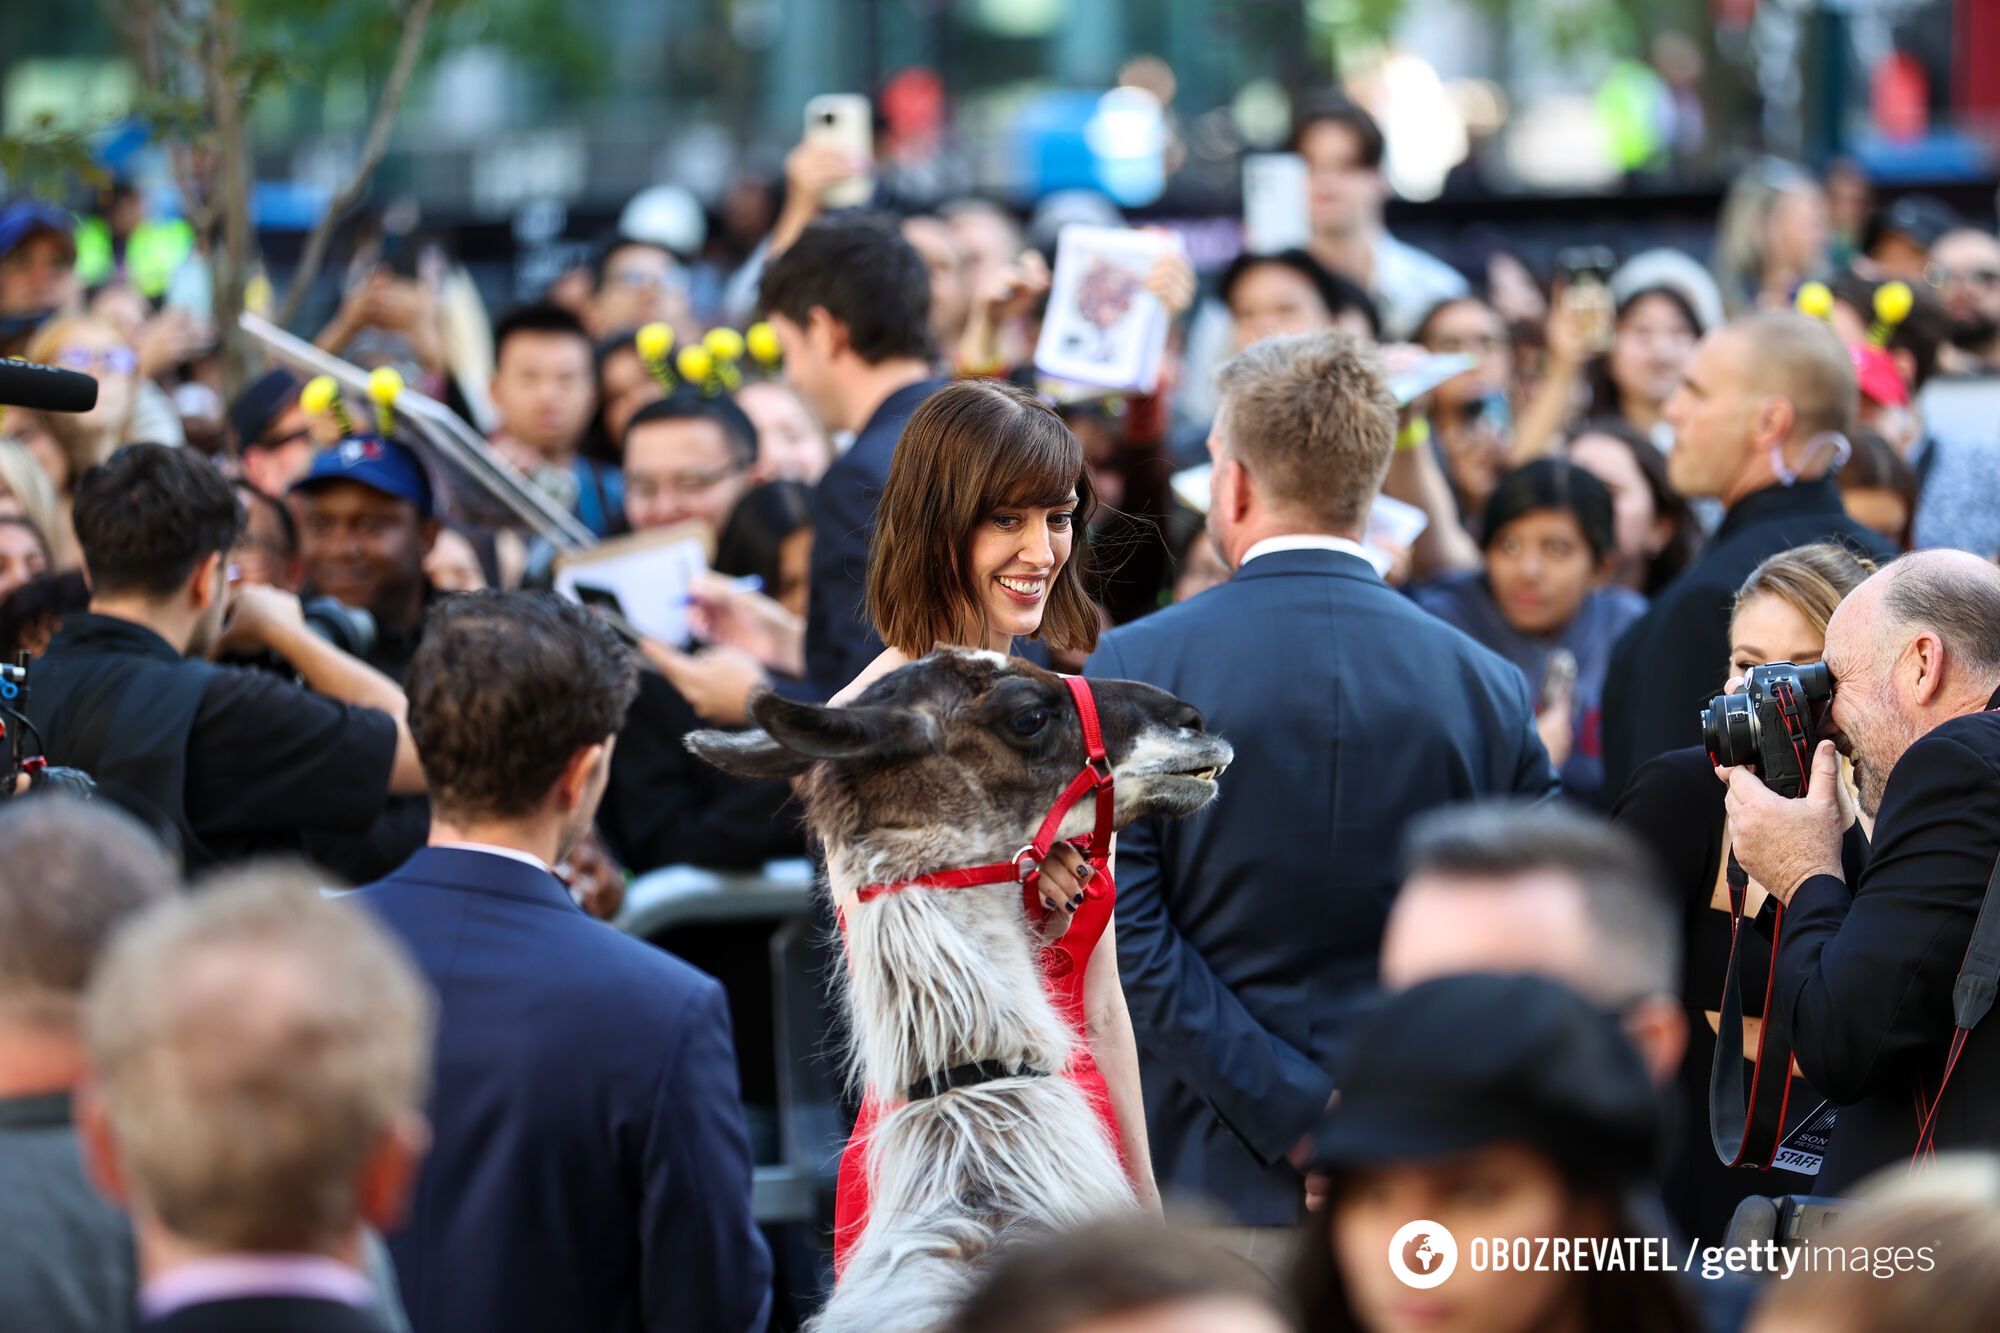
[(1771, 724), (41, 775), (348, 628)]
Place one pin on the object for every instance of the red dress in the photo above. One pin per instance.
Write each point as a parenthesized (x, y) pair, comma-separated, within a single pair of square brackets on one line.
[(1063, 965)]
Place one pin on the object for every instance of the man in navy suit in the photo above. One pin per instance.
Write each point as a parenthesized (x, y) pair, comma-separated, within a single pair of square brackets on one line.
[(590, 1166), (850, 303), (1248, 935)]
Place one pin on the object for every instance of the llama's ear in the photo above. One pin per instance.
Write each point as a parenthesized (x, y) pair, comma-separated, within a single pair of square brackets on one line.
[(871, 731), (747, 754)]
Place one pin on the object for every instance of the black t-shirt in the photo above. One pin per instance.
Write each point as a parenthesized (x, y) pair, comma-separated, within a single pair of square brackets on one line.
[(267, 760)]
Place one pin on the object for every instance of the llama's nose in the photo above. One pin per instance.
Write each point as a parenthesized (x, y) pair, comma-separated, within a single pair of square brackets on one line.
[(1186, 715)]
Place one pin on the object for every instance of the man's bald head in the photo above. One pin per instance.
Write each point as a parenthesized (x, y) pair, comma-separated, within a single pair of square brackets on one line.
[(1802, 361), (1915, 646), (1955, 594)]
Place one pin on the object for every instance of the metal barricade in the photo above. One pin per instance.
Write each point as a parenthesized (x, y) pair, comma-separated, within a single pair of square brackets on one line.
[(810, 1124)]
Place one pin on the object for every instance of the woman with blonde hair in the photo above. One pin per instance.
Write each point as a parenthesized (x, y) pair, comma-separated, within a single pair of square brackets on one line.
[(25, 491), (1675, 805), (1773, 234), (95, 348)]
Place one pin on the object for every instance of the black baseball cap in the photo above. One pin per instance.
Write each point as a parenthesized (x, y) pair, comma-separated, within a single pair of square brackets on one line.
[(261, 404), (1461, 1063), (1920, 217)]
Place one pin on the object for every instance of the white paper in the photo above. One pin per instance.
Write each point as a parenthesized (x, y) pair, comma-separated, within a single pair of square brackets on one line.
[(1103, 327), (1275, 215), (651, 582), (1412, 383)]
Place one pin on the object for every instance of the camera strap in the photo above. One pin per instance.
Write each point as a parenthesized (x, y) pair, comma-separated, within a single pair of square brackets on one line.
[(1748, 1124), (1972, 997)]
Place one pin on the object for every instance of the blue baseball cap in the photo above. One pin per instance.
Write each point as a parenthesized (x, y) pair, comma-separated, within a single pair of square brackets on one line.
[(384, 465), (24, 217)]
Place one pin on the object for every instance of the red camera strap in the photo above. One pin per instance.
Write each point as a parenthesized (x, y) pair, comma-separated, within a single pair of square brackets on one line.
[(1025, 866), (1972, 996), (1747, 1125)]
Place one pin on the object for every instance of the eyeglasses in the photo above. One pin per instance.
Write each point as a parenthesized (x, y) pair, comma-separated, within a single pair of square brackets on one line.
[(1940, 277), (1479, 343), (113, 360), (294, 437), (679, 483)]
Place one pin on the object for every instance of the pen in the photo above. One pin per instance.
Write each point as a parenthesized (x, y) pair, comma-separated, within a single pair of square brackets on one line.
[(748, 583)]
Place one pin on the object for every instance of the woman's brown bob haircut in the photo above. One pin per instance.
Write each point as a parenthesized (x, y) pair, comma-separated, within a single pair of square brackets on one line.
[(972, 448)]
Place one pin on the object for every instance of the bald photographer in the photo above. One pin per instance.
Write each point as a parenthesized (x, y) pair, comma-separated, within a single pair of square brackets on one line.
[(1863, 974)]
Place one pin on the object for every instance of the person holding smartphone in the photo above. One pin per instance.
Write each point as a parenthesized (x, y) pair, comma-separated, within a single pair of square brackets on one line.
[(1544, 601)]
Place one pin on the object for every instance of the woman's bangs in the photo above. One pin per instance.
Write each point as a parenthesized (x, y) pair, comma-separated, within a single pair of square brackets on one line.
[(1041, 467)]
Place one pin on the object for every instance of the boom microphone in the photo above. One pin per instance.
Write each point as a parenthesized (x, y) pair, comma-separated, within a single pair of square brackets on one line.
[(44, 388)]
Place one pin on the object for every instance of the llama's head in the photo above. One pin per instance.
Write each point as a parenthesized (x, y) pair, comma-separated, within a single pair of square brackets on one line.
[(975, 744)]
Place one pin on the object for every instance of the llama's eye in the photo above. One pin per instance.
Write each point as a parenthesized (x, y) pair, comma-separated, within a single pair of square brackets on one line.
[(1029, 723)]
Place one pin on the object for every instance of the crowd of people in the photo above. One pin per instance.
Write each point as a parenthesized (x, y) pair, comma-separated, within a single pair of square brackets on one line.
[(1450, 944)]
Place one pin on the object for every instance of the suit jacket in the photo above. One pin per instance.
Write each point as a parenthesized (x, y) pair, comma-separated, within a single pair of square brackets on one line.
[(1864, 972), (1674, 658), (840, 641), (266, 1314), (1248, 934), (590, 1167), (1674, 805)]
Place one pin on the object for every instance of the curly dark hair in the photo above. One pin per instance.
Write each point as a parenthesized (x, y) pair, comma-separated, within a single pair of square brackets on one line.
[(504, 690)]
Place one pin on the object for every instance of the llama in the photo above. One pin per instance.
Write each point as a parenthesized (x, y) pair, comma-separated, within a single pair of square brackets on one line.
[(949, 762)]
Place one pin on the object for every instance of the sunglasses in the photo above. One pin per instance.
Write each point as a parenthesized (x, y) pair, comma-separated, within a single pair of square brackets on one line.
[(1940, 277), (112, 360)]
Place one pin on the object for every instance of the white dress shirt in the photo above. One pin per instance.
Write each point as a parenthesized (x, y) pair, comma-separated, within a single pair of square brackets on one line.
[(1318, 541), (511, 853)]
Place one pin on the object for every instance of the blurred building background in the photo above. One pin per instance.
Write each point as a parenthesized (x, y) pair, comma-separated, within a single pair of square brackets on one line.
[(532, 122)]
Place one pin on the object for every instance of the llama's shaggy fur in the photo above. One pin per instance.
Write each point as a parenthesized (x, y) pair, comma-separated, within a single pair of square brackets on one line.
[(941, 978)]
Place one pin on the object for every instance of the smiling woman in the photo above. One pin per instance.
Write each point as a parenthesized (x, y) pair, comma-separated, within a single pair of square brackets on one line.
[(979, 541), (975, 538)]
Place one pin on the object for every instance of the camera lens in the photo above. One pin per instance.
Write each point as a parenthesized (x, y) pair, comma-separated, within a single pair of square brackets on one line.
[(1729, 729), (1816, 681)]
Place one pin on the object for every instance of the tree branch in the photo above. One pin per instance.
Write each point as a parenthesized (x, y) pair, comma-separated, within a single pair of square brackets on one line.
[(411, 47)]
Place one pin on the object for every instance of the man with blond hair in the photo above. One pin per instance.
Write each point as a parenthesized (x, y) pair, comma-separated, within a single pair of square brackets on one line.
[(1247, 936), (259, 1058)]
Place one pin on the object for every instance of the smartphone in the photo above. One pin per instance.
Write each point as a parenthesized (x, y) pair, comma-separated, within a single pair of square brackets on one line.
[(1586, 269), (605, 603), (1586, 263), (1559, 679), (847, 121), (1275, 215)]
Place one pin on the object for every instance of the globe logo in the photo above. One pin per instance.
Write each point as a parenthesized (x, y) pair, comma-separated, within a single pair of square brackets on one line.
[(1422, 1254)]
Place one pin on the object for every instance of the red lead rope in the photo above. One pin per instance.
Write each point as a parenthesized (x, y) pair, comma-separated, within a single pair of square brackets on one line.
[(1025, 866)]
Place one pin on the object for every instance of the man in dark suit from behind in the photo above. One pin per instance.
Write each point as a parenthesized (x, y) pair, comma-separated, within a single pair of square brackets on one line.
[(590, 1166), (259, 1056), (1247, 936), (1758, 422), (1864, 974)]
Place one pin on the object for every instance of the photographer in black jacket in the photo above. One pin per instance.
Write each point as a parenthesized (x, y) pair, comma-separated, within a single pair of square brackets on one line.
[(1864, 972), (236, 761)]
